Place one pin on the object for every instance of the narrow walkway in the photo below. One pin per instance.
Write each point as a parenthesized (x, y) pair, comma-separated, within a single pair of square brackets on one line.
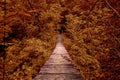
[(58, 66)]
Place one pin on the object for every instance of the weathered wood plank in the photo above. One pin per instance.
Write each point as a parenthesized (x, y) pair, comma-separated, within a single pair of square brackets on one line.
[(59, 69), (58, 76)]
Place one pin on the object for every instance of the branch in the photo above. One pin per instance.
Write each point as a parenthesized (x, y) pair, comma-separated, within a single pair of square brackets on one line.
[(93, 6), (30, 4), (112, 8), (118, 41)]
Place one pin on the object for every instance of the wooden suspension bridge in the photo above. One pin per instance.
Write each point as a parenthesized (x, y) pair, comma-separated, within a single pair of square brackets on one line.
[(58, 66)]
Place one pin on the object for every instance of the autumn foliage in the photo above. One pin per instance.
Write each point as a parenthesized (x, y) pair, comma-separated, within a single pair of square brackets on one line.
[(29, 28), (26, 38), (92, 39)]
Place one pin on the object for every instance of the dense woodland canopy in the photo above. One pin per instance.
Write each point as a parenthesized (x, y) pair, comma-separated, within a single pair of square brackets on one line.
[(29, 30)]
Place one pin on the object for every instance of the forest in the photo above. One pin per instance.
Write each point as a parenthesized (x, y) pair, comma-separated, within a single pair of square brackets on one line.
[(29, 30)]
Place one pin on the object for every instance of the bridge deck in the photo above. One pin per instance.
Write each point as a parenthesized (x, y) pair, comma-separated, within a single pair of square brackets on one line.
[(58, 66)]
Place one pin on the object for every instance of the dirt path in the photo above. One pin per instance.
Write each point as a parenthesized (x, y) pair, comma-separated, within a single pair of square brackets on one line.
[(58, 66)]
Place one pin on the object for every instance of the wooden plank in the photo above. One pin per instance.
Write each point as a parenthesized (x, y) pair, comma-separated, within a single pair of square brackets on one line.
[(59, 69), (59, 76)]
